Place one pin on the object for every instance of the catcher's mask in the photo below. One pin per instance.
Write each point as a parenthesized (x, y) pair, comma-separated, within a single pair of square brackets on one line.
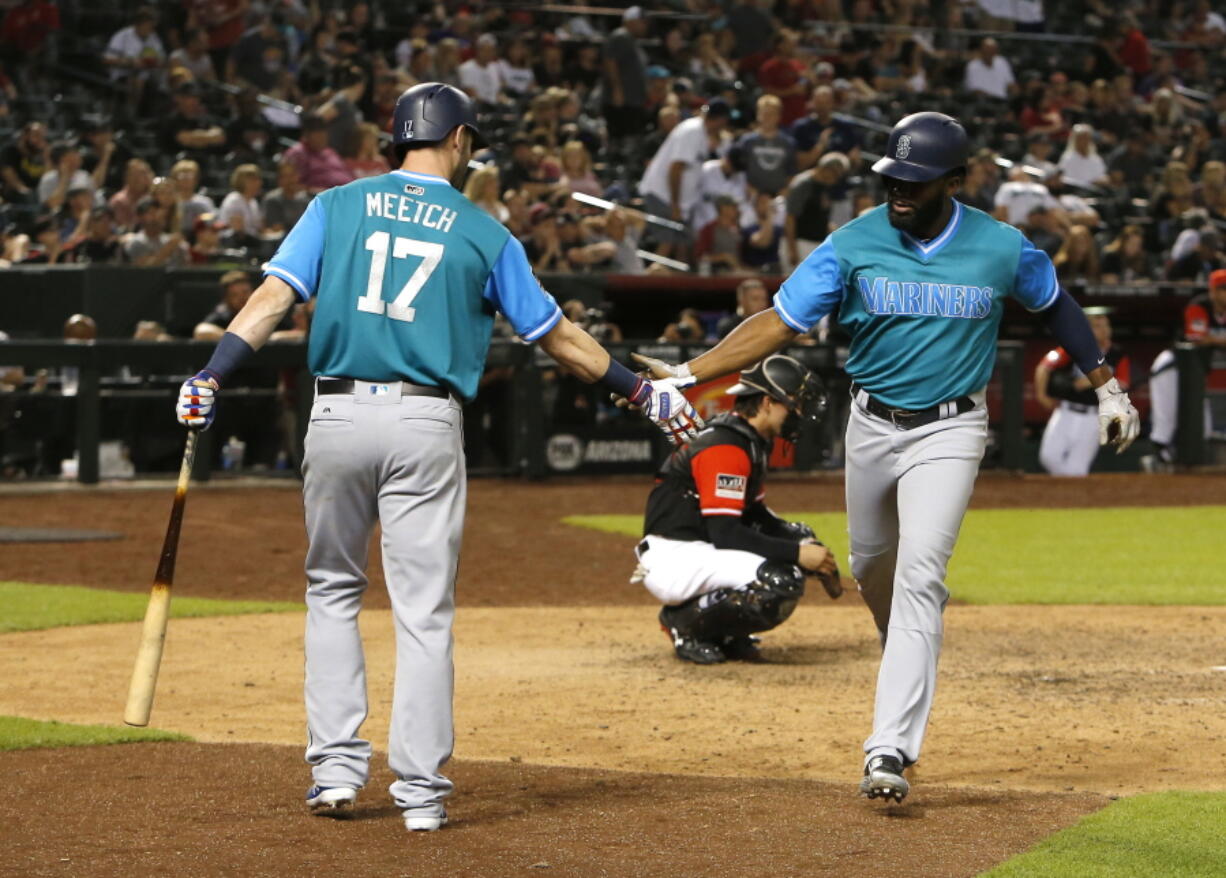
[(785, 380)]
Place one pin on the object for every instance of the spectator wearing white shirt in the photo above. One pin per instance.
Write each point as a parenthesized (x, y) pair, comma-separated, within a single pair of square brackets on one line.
[(670, 184), (1081, 164), (240, 209), (64, 176), (516, 69), (481, 76), (989, 73), (722, 176), (1020, 195), (135, 53), (194, 56)]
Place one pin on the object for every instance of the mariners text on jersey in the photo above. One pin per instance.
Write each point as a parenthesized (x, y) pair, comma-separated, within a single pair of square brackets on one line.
[(885, 296), (923, 316), (404, 209)]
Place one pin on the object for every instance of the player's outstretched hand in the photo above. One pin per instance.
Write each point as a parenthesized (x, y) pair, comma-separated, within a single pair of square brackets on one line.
[(1118, 422), (659, 368), (668, 409), (197, 397)]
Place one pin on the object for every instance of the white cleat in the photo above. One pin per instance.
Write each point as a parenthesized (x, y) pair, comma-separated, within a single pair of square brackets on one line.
[(331, 799), (424, 822), (883, 779)]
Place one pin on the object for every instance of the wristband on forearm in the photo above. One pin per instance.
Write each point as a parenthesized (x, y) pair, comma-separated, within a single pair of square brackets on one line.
[(623, 382), (229, 354), (1067, 322)]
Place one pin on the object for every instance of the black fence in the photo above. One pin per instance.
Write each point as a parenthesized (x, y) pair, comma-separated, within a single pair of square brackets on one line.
[(529, 419)]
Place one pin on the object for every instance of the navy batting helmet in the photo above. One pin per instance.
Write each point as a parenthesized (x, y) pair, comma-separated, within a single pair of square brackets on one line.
[(922, 147), (428, 112)]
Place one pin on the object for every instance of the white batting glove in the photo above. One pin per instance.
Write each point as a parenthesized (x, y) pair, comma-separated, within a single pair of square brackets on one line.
[(1114, 407), (197, 398), (669, 410)]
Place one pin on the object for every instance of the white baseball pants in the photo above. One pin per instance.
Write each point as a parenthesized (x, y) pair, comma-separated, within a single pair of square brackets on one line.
[(677, 570), (1070, 440), (1164, 400), (907, 491)]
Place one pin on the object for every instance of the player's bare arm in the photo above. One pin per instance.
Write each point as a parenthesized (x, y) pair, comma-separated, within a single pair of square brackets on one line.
[(758, 337), (660, 400), (265, 309)]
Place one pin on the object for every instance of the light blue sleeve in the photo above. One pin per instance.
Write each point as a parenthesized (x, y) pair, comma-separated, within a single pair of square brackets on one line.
[(1035, 285), (513, 289), (812, 291), (298, 259)]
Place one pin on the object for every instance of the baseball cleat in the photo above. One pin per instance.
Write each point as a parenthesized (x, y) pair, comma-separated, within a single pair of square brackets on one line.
[(424, 822), (334, 799), (689, 648), (742, 649), (883, 779)]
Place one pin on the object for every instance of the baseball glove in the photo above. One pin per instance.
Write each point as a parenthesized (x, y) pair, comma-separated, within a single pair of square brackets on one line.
[(830, 581)]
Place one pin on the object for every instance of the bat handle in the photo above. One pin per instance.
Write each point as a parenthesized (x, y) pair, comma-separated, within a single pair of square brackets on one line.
[(149, 657)]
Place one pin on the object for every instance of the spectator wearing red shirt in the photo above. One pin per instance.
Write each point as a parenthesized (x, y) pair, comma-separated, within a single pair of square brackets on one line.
[(225, 21), (786, 77), (319, 165), (1134, 48), (27, 26)]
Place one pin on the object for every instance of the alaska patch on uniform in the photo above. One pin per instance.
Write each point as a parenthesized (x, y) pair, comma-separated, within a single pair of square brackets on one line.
[(730, 487)]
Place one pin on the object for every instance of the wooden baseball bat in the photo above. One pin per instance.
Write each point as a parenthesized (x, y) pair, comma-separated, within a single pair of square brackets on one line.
[(153, 634)]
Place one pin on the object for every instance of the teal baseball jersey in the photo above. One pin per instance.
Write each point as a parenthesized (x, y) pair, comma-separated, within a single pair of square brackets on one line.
[(923, 316), (407, 275)]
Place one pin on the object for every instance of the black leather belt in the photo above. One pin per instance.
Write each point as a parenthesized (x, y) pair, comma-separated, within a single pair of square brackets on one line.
[(1080, 407), (906, 419), (326, 386)]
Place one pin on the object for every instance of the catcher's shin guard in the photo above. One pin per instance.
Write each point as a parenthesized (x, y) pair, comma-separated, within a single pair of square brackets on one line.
[(728, 612)]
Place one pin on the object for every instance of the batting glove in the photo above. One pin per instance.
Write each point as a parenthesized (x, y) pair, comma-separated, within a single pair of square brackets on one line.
[(669, 410), (197, 398), (1114, 407)]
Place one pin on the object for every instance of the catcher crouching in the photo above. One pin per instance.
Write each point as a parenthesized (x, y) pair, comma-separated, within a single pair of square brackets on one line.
[(724, 565)]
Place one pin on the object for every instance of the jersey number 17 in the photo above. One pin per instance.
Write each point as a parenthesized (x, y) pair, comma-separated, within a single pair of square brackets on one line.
[(400, 308)]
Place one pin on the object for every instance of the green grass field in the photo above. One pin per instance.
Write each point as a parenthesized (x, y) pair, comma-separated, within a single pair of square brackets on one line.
[(1167, 555), (17, 733), (31, 607), (1155, 835)]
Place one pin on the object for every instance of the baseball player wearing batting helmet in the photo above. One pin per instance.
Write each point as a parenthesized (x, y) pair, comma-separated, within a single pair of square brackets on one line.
[(722, 563), (407, 275), (919, 284)]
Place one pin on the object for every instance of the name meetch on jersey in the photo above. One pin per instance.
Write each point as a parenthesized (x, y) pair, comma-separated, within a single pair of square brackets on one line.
[(403, 209), (885, 296)]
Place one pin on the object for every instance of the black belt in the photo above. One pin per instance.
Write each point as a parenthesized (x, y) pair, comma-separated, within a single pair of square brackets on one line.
[(906, 419), (1080, 407), (326, 386)]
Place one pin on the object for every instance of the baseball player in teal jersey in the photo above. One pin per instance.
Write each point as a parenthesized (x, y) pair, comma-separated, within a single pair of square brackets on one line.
[(919, 284), (407, 276)]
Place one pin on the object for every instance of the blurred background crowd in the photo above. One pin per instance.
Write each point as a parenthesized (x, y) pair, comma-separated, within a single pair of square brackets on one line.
[(685, 138), (196, 131)]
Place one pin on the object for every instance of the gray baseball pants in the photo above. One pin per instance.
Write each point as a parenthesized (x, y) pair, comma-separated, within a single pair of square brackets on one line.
[(377, 456), (907, 491)]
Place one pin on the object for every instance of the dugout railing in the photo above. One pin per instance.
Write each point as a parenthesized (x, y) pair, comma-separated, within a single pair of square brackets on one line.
[(126, 390)]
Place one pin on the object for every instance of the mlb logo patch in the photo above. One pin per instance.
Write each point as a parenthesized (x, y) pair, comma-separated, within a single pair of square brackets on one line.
[(380, 389), (730, 487)]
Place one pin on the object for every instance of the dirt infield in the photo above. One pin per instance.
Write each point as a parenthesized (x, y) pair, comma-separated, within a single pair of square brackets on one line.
[(201, 810), (583, 747), (516, 551)]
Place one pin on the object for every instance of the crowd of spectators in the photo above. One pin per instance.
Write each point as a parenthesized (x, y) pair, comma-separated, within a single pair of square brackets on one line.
[(733, 135)]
